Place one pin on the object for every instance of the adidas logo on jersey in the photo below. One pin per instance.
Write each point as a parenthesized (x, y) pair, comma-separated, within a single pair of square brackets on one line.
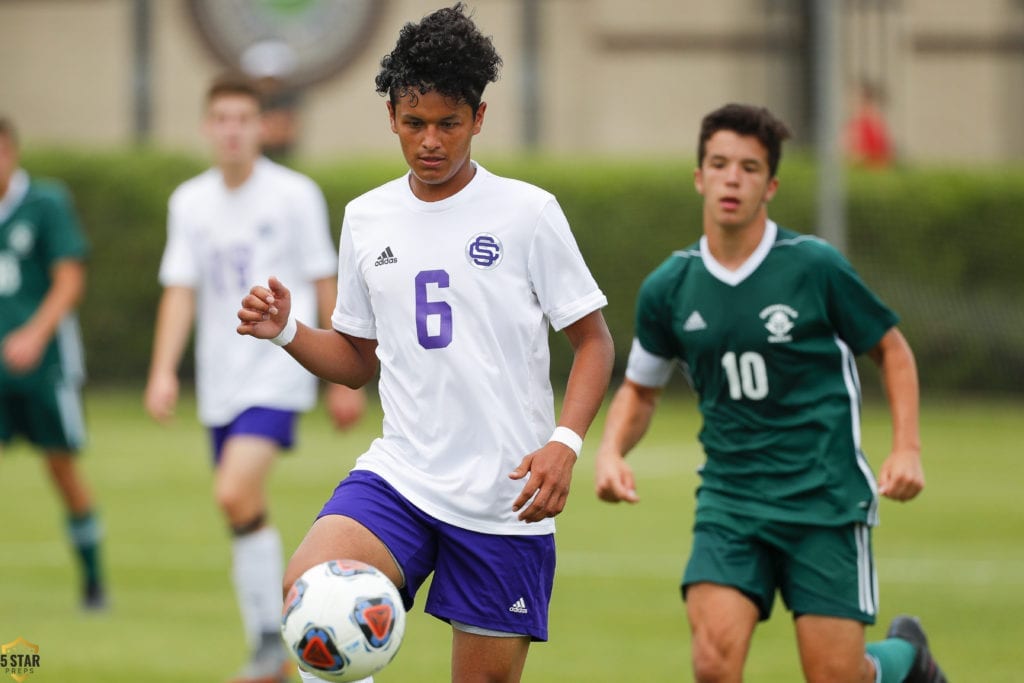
[(695, 322), (519, 607), (386, 257)]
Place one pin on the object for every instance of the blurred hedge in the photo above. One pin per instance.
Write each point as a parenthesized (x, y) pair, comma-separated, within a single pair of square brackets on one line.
[(941, 246)]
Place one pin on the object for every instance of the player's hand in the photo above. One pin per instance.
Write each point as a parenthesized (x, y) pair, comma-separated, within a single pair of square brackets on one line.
[(161, 396), (547, 489), (614, 481), (901, 476), (265, 310), (23, 349), (345, 405)]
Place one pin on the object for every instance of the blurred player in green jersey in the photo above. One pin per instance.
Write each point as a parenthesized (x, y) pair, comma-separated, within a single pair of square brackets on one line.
[(42, 279), (766, 324)]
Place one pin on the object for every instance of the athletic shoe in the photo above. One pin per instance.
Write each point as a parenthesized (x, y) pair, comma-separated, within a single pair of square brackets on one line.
[(269, 664), (94, 598), (924, 669)]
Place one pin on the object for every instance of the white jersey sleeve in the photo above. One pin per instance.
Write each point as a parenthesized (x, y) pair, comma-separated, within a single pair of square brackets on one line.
[(353, 312), (179, 265), (312, 226), (563, 283)]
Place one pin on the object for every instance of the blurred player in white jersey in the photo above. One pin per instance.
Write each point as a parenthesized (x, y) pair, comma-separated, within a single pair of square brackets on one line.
[(245, 218), (449, 279)]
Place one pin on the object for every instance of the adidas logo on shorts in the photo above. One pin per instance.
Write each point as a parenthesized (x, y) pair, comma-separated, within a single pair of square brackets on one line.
[(519, 607)]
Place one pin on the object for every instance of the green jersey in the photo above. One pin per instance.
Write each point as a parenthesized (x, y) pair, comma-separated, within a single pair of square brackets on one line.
[(38, 227), (769, 350)]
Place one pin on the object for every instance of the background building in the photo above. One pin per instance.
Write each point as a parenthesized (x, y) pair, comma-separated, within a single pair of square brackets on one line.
[(601, 77)]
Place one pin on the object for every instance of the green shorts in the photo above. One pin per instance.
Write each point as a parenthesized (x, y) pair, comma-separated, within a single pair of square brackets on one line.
[(819, 570), (46, 412)]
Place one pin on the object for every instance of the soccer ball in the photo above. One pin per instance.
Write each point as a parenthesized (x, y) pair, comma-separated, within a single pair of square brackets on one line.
[(343, 620)]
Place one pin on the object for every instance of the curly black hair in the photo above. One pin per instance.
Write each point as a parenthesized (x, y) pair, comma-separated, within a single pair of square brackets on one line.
[(445, 53)]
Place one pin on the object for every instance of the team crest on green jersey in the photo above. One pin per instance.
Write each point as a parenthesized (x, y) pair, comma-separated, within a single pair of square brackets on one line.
[(21, 238), (779, 322)]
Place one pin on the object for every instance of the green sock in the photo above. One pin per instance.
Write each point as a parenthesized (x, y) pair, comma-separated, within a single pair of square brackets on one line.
[(893, 659), (86, 532)]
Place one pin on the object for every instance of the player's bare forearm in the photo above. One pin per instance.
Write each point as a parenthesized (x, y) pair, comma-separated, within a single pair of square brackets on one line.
[(328, 354), (335, 357), (66, 290), (550, 467), (23, 348), (173, 326), (629, 417), (174, 319), (326, 296), (594, 355), (899, 375), (901, 476)]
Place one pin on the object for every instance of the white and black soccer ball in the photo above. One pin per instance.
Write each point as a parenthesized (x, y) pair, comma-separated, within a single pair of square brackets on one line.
[(343, 620)]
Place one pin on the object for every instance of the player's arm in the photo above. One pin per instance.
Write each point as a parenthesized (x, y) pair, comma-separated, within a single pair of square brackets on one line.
[(330, 355), (173, 326), (344, 404), (629, 417), (901, 476), (23, 348), (550, 467)]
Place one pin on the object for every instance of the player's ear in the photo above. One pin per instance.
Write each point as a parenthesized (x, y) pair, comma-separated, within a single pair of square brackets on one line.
[(773, 187), (478, 119), (698, 180), (391, 116)]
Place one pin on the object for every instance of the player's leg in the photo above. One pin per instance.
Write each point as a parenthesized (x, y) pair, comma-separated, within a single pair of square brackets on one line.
[(495, 591), (335, 537), (256, 550), (244, 452), (83, 524), (722, 621), (52, 418), (729, 585), (829, 583), (891, 655), (367, 520), (478, 658), (832, 650)]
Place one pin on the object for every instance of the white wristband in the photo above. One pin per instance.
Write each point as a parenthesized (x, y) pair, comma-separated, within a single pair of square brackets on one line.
[(568, 437), (285, 337)]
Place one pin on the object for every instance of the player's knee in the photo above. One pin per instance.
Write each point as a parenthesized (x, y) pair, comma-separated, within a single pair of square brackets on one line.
[(837, 670), (713, 660), (248, 524), (239, 505)]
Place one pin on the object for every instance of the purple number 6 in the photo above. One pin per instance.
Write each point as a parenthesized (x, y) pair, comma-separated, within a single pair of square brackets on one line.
[(426, 308)]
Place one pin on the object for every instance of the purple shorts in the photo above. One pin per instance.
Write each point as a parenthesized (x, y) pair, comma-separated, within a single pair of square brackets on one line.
[(490, 581), (272, 423)]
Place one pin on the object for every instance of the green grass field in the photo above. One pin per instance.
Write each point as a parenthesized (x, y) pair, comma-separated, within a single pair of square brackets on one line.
[(955, 556)]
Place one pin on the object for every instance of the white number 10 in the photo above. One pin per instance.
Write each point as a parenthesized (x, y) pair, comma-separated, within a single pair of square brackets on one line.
[(748, 377)]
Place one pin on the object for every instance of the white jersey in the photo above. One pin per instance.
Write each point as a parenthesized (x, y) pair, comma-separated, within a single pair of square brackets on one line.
[(459, 294), (220, 243)]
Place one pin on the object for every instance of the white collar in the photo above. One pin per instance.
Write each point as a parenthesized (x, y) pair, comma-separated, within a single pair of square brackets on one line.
[(16, 190), (735, 277)]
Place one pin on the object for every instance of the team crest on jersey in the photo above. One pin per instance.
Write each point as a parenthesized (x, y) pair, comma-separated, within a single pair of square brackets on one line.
[(21, 238), (484, 251), (778, 320)]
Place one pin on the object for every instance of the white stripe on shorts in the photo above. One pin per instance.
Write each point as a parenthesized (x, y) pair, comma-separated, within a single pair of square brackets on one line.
[(867, 581)]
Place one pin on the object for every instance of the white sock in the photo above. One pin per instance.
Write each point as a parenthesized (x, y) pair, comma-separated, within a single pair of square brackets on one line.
[(310, 678), (258, 571)]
